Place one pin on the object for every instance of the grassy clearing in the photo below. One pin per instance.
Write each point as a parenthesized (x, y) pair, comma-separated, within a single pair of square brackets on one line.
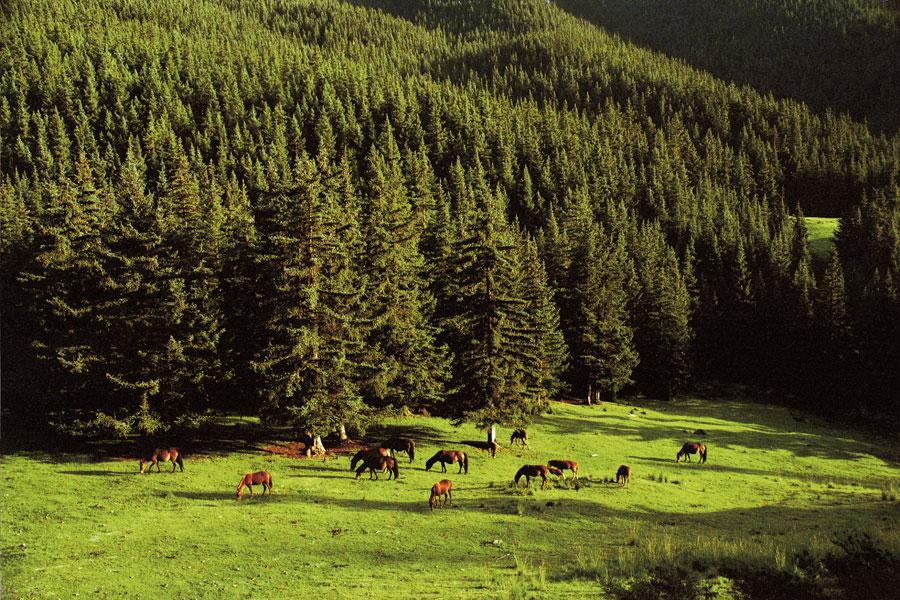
[(821, 232), (71, 525)]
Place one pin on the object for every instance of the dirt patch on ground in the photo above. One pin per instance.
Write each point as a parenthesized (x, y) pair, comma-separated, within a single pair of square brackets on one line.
[(298, 450)]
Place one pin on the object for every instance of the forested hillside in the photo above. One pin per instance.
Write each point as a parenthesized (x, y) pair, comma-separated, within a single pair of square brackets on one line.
[(313, 210), (831, 54)]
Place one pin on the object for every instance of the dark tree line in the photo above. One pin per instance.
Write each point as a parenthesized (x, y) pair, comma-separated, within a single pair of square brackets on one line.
[(315, 213)]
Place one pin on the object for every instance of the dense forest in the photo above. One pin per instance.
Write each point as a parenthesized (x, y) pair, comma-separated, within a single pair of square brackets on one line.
[(316, 211), (831, 54)]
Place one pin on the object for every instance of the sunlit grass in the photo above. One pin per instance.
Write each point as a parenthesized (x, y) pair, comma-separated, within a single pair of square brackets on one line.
[(772, 482)]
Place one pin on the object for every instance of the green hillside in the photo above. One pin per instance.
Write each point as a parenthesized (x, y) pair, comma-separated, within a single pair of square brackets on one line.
[(809, 50), (774, 483)]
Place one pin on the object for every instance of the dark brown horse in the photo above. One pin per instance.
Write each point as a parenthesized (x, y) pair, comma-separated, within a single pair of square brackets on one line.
[(519, 435), (401, 445), (530, 471), (570, 465), (251, 479), (691, 448), (379, 464), (624, 473), (164, 455), (446, 457), (441, 490), (367, 453)]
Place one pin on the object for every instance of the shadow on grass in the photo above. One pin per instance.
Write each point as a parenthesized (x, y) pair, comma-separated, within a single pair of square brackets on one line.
[(421, 433), (104, 473)]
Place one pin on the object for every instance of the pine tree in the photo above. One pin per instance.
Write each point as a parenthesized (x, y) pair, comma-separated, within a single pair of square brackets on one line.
[(660, 309), (407, 368), (307, 293)]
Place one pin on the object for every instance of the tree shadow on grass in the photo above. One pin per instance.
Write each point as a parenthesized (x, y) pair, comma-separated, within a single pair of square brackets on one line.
[(422, 434), (104, 473)]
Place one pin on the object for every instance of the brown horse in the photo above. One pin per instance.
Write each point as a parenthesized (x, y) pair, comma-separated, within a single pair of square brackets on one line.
[(367, 453), (401, 445), (251, 479), (441, 490), (519, 435), (571, 465), (446, 457), (379, 464), (530, 471), (691, 448), (624, 473), (164, 455)]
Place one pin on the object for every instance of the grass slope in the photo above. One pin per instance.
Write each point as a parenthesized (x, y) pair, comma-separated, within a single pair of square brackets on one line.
[(71, 526)]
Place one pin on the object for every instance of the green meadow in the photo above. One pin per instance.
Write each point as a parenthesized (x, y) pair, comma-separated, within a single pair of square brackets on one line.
[(776, 481), (821, 232)]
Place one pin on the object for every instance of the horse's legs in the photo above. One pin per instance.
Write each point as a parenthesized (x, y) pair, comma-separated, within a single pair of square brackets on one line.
[(251, 490), (173, 465), (543, 483), (443, 467), (157, 466), (450, 497)]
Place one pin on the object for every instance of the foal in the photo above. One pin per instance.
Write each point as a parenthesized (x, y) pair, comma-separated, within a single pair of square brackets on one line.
[(441, 490)]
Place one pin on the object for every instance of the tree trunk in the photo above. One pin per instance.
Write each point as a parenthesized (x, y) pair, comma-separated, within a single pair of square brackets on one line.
[(589, 394), (342, 433), (318, 446), (492, 434)]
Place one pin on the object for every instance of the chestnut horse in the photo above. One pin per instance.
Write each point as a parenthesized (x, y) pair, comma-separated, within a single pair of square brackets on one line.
[(251, 479), (367, 453), (441, 490), (376, 464), (530, 471), (624, 473), (520, 435), (571, 465), (165, 455), (446, 457), (401, 445), (691, 448)]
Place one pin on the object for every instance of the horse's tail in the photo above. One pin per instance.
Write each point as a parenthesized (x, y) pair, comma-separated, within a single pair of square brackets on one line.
[(703, 454), (411, 449), (466, 462), (270, 483)]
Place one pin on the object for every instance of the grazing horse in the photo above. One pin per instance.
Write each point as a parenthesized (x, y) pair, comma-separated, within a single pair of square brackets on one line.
[(251, 479), (376, 464), (367, 453), (446, 457), (691, 448), (571, 465), (401, 445), (520, 435), (624, 473), (164, 455), (441, 490), (492, 448), (530, 471)]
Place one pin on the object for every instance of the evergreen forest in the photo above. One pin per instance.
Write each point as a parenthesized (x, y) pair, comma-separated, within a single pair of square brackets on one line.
[(323, 211)]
